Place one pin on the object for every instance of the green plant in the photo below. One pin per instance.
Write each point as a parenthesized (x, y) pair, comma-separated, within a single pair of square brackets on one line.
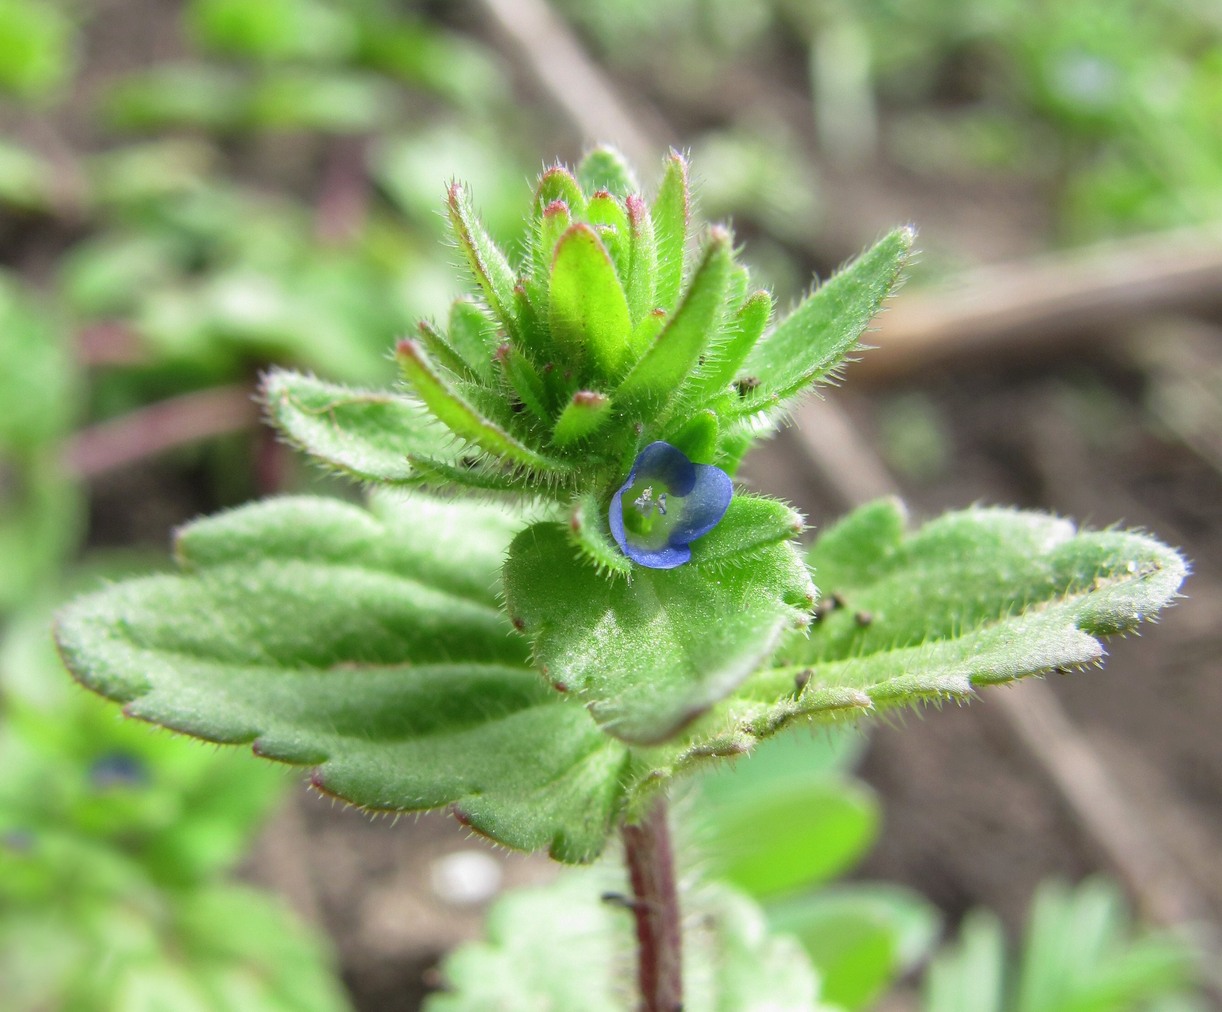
[(1079, 953), (114, 844), (377, 645)]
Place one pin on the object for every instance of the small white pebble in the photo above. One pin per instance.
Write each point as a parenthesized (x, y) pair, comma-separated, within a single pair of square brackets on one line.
[(466, 877)]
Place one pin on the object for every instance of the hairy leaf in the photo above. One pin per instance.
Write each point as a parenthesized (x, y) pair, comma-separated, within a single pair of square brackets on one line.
[(657, 377), (650, 654), (459, 414), (975, 597), (489, 266), (585, 413), (557, 183), (641, 281), (367, 645), (815, 338), (363, 433), (589, 313), (604, 168), (672, 210)]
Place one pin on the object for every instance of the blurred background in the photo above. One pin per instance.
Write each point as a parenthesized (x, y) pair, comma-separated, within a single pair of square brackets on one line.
[(190, 192)]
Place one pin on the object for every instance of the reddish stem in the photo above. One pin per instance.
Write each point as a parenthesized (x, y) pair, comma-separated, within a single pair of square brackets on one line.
[(651, 868), (156, 428)]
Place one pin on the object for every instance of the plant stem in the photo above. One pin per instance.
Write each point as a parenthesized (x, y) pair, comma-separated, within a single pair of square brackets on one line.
[(158, 427), (651, 868)]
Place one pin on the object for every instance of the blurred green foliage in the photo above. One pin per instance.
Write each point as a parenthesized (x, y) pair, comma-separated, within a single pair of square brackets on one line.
[(114, 840), (1080, 951), (1110, 110)]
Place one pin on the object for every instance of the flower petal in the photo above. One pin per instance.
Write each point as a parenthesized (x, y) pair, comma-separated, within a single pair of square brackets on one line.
[(665, 463), (699, 492), (705, 505), (667, 557), (615, 516)]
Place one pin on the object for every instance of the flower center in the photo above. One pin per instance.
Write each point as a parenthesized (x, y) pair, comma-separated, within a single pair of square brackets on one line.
[(649, 512)]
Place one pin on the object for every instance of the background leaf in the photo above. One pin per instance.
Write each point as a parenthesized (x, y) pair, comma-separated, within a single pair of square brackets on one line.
[(562, 946), (784, 817)]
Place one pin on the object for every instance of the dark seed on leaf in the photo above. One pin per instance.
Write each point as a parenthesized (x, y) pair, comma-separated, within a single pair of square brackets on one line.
[(800, 681), (745, 385), (519, 623), (863, 619)]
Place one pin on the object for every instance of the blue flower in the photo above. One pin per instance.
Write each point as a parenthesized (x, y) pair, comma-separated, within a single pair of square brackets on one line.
[(665, 504)]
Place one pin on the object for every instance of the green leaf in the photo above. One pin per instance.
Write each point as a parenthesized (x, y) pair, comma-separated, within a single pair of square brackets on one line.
[(562, 946), (330, 101), (651, 654), (751, 526), (443, 353), (971, 569), (366, 434), (591, 535), (553, 947), (976, 597), (829, 823), (473, 336), (459, 415), (654, 382), (1081, 955), (671, 213), (36, 41), (488, 264), (25, 178), (736, 964), (554, 221), (813, 340), (524, 382), (610, 221), (177, 94), (641, 280), (273, 29), (971, 976), (726, 357), (557, 183), (604, 168), (366, 645), (697, 438), (581, 417), (859, 936), (588, 311)]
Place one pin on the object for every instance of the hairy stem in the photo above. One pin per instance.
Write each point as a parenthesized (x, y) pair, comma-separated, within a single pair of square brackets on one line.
[(651, 868)]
